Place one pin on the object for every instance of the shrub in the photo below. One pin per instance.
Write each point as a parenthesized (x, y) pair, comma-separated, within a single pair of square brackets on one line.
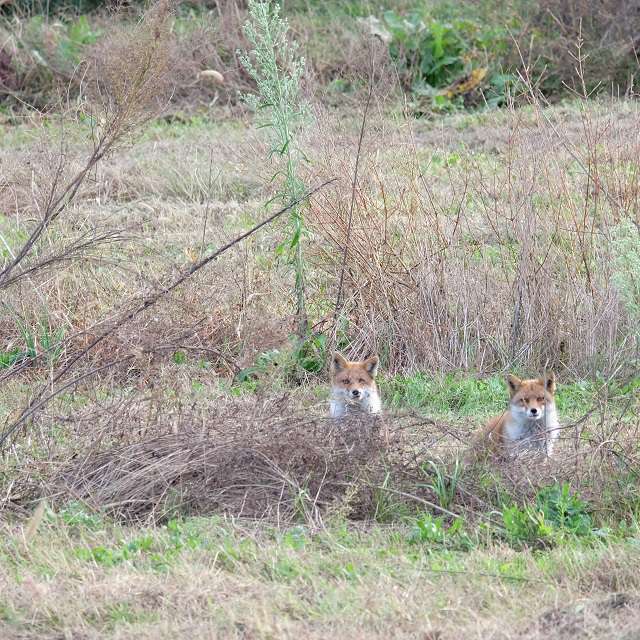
[(446, 58)]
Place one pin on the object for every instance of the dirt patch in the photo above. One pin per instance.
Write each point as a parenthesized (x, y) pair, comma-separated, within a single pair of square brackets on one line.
[(615, 616)]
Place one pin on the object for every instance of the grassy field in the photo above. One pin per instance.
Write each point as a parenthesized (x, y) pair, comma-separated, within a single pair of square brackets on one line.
[(382, 565), (210, 577), (168, 469)]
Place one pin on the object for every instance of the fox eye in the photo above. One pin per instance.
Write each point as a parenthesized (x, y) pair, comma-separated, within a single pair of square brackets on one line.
[(540, 399), (346, 381), (361, 380)]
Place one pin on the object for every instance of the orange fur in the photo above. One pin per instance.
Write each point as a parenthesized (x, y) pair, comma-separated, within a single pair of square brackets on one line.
[(529, 422)]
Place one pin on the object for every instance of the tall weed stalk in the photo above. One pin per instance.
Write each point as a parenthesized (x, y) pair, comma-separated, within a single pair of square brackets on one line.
[(276, 68)]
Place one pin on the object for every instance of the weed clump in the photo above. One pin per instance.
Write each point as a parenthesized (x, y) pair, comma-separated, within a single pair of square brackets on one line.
[(276, 68)]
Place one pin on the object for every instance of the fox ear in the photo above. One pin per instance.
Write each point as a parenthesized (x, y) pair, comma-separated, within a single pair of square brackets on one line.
[(338, 362), (514, 383), (549, 381), (371, 365)]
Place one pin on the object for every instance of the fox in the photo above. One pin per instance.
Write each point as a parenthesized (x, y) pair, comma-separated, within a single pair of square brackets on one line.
[(530, 422), (353, 386)]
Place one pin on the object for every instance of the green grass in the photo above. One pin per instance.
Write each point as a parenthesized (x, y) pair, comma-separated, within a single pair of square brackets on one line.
[(12, 237), (462, 395), (224, 574)]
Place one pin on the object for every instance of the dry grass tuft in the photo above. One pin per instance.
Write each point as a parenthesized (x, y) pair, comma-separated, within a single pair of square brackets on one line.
[(618, 613)]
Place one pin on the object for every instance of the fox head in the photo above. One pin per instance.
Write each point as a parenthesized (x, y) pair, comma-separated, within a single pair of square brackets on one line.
[(353, 382), (530, 398)]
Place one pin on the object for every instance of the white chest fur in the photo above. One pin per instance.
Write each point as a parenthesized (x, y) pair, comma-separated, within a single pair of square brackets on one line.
[(522, 433), (341, 405)]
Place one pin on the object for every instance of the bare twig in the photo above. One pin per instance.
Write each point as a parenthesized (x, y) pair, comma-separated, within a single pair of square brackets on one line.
[(354, 184), (39, 400)]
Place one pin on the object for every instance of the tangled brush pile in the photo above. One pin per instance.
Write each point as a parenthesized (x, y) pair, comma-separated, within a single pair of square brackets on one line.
[(253, 461)]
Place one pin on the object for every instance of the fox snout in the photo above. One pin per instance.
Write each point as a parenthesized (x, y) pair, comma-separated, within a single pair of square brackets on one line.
[(529, 409), (351, 395)]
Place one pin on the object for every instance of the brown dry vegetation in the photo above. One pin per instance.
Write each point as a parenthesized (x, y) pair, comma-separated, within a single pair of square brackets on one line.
[(479, 249), (474, 250), (36, 70), (482, 244)]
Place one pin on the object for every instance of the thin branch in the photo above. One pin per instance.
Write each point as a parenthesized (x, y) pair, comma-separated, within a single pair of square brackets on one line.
[(78, 247), (40, 400), (352, 204)]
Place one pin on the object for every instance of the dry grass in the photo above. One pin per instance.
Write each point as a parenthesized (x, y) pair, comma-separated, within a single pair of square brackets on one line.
[(170, 452), (447, 269), (479, 253), (480, 243), (217, 578), (489, 248), (145, 457)]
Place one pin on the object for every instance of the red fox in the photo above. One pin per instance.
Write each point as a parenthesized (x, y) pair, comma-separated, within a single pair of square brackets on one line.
[(353, 386), (531, 422)]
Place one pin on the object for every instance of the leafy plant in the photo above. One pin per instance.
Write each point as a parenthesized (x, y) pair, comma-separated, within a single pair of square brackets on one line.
[(295, 538), (179, 357), (10, 357), (444, 485), (181, 536), (75, 514), (444, 57), (433, 530), (564, 510), (525, 526), (266, 361), (57, 47), (178, 536), (431, 50), (276, 68), (311, 354), (307, 355), (556, 513), (78, 34)]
